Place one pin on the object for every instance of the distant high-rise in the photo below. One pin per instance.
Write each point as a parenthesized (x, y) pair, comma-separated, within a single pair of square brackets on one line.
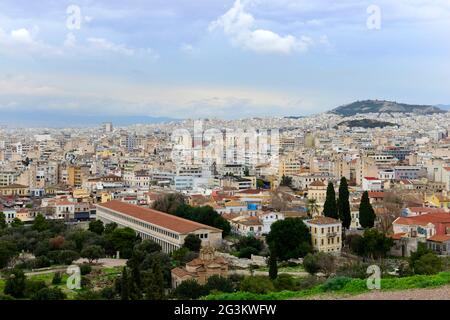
[(107, 127)]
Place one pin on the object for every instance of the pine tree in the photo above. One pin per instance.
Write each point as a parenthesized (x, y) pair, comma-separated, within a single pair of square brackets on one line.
[(273, 267), (366, 212), (343, 204), (330, 206)]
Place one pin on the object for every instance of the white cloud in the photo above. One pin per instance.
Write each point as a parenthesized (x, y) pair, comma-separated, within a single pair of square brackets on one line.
[(239, 25), (104, 44), (99, 95), (21, 35)]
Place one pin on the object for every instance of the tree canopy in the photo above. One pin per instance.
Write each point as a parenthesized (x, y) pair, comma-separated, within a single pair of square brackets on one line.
[(289, 238)]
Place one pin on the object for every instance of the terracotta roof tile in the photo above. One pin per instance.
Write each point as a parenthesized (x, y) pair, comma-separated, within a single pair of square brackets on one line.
[(155, 217)]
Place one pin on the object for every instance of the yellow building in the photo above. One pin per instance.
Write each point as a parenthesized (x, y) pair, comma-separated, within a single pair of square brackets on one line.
[(289, 166), (106, 197), (81, 194), (326, 234), (14, 190), (74, 176), (439, 200)]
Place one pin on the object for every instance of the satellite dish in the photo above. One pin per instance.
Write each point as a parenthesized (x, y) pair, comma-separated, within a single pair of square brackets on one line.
[(70, 157)]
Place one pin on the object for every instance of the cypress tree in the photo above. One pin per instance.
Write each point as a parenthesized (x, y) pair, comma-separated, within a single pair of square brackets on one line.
[(343, 204), (330, 206), (124, 285), (273, 267), (366, 212)]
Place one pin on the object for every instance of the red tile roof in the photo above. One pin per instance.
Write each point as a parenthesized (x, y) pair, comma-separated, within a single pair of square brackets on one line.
[(376, 194), (440, 238), (426, 209), (397, 236), (317, 183), (423, 220), (323, 220), (156, 217)]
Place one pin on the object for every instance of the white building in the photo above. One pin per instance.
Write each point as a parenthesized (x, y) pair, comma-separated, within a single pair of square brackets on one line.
[(372, 184), (167, 230)]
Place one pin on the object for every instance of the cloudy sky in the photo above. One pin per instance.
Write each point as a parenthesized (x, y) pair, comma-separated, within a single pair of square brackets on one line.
[(218, 58)]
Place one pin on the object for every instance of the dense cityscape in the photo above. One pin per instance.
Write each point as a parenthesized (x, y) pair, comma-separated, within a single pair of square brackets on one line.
[(227, 158), (329, 202)]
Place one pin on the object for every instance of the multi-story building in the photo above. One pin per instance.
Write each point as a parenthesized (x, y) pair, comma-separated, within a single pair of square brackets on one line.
[(326, 234)]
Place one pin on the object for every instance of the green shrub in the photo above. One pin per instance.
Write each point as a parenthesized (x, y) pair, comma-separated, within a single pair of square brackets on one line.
[(309, 282), (353, 270), (49, 294), (247, 252), (33, 286), (219, 284), (57, 278), (284, 281), (190, 289), (311, 263), (429, 263), (85, 269), (257, 284), (335, 283), (41, 262)]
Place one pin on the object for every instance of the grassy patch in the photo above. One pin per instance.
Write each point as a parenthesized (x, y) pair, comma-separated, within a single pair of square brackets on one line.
[(297, 268), (352, 287)]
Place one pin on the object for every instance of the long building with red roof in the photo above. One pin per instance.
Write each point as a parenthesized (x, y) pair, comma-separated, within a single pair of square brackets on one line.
[(165, 229)]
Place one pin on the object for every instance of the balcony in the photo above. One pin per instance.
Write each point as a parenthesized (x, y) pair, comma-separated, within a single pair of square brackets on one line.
[(331, 234)]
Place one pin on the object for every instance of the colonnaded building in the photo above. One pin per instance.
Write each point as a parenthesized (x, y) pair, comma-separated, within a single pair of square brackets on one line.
[(165, 229)]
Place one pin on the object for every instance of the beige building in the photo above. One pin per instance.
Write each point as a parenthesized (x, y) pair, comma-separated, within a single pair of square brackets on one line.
[(317, 191), (15, 190), (289, 166), (326, 234)]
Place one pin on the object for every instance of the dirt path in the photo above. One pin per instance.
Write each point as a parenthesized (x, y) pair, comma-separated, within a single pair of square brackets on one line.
[(441, 293)]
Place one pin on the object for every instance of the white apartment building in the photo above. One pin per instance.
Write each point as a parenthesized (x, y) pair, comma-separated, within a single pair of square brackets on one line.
[(372, 184)]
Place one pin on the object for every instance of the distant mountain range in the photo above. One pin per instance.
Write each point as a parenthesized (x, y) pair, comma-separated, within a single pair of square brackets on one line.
[(382, 106), (444, 106)]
